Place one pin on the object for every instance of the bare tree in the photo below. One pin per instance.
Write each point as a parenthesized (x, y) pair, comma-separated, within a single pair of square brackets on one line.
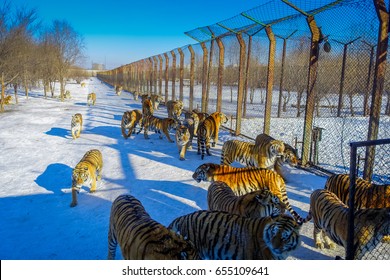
[(16, 33), (68, 50)]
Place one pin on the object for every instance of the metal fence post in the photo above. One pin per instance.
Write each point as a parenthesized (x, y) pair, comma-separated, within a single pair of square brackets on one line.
[(166, 76), (204, 77), (270, 79), (221, 66), (173, 83), (181, 74), (379, 79), (192, 77)]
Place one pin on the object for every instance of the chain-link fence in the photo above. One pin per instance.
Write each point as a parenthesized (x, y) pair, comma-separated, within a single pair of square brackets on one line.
[(310, 73), (369, 227)]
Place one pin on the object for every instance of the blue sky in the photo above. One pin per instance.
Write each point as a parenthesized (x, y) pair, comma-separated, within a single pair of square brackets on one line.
[(119, 32)]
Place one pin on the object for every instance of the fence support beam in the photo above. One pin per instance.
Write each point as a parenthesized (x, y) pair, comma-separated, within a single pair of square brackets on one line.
[(166, 76), (173, 75), (379, 80), (209, 74), (248, 59), (192, 77), (155, 62), (240, 93), (270, 79), (221, 66), (181, 74), (312, 77), (204, 77), (160, 75)]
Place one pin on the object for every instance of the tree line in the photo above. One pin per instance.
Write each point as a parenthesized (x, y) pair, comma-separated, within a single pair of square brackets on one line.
[(31, 53)]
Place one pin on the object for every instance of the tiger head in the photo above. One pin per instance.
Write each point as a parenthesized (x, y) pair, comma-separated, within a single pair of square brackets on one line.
[(267, 200), (290, 158), (220, 118), (282, 235), (276, 148), (182, 135), (81, 176), (203, 172)]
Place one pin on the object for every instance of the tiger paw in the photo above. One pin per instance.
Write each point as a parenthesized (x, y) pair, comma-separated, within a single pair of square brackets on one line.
[(319, 245), (92, 191), (73, 204), (182, 158)]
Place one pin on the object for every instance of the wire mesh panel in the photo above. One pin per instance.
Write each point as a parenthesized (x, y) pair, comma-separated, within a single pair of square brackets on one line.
[(369, 204)]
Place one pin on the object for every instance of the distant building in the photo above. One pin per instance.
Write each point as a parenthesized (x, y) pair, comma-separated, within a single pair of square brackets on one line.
[(98, 66)]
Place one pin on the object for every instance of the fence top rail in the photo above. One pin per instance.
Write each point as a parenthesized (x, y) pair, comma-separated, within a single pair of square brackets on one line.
[(369, 143)]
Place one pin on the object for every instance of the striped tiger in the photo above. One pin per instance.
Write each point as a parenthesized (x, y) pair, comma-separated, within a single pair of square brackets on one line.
[(156, 100), (367, 195), (91, 99), (330, 216), (197, 118), (256, 204), (183, 137), (243, 180), (224, 236), (270, 149), (174, 109), (191, 120), (130, 120), (118, 90), (252, 154), (86, 172), (142, 238), (208, 131), (157, 124), (147, 108), (76, 125)]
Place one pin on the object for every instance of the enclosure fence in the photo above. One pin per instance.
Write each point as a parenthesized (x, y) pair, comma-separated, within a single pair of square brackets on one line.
[(380, 150), (310, 73)]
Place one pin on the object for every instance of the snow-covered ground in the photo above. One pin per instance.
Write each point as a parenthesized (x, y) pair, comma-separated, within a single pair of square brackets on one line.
[(38, 155)]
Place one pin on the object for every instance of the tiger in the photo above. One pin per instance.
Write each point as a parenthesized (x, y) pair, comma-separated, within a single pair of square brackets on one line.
[(147, 108), (118, 90), (195, 121), (157, 124), (156, 100), (270, 149), (256, 204), (174, 108), (86, 172), (91, 98), (243, 180), (209, 130), (289, 157), (367, 195), (330, 216), (130, 120), (67, 95), (222, 236), (76, 125), (182, 137), (7, 100), (135, 95), (190, 123), (251, 154), (142, 238)]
